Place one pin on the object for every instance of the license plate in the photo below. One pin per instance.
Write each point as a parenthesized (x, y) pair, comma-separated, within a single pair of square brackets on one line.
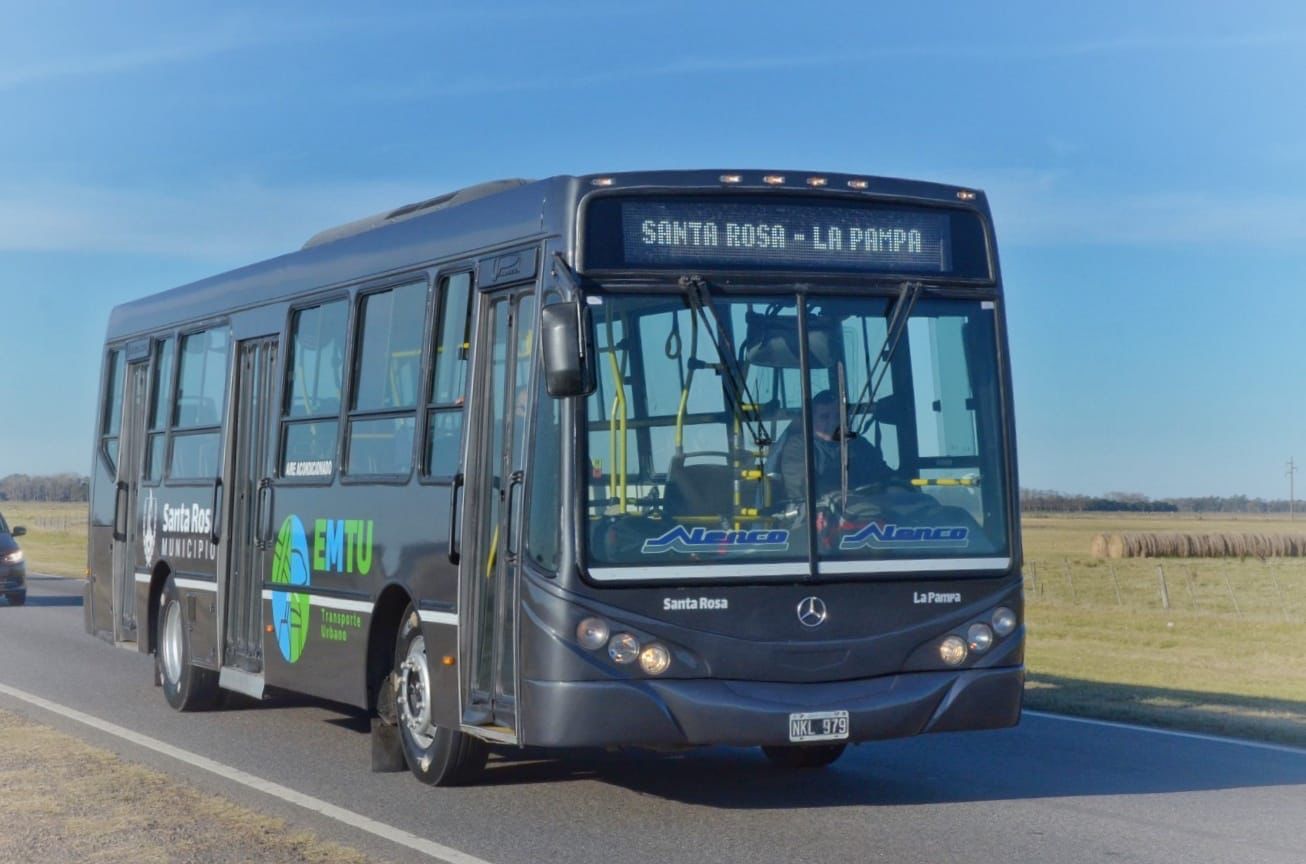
[(819, 726)]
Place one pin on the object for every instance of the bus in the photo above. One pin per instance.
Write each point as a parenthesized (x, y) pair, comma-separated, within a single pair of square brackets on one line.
[(650, 459)]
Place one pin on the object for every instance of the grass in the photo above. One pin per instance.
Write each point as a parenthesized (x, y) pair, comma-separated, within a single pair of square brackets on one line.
[(56, 535), (66, 801), (1228, 656)]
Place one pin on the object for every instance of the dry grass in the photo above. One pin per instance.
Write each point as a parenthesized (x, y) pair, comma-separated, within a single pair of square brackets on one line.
[(1228, 656), (56, 535), (65, 801)]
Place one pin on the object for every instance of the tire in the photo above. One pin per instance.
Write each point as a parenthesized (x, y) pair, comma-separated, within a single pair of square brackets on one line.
[(17, 598), (436, 756), (798, 758), (186, 687)]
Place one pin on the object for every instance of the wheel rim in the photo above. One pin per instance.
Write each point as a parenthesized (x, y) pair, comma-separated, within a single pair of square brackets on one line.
[(170, 644), (415, 694)]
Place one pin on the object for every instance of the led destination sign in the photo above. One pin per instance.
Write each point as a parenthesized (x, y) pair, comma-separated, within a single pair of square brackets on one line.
[(733, 234)]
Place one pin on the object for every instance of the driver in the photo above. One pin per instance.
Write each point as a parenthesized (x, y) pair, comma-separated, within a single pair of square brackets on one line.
[(865, 463)]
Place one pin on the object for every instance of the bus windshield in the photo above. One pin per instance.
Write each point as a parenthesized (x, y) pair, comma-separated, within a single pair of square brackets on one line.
[(780, 434)]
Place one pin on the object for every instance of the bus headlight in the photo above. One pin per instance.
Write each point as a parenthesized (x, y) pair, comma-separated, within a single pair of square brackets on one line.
[(1004, 621), (979, 638), (623, 649), (14, 557), (655, 659), (953, 650), (592, 633)]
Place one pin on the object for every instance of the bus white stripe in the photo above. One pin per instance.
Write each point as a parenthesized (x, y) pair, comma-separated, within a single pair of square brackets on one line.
[(434, 617), (142, 576), (196, 584), (429, 848), (325, 602), (935, 565)]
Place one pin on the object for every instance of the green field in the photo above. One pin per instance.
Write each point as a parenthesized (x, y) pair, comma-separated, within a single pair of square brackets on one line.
[(1229, 656), (56, 536)]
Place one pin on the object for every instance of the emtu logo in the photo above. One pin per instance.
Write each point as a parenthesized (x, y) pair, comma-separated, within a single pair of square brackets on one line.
[(290, 609)]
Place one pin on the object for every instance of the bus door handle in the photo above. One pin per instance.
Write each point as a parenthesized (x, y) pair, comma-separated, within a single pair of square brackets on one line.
[(215, 524), (119, 533), (513, 482), (455, 498), (263, 513)]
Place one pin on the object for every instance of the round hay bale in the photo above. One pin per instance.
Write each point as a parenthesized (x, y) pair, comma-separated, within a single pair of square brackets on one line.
[(1097, 548), (1115, 546)]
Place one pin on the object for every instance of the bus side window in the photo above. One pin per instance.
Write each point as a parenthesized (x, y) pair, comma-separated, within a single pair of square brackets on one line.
[(112, 420), (444, 417), (201, 398), (314, 378), (160, 396), (382, 418)]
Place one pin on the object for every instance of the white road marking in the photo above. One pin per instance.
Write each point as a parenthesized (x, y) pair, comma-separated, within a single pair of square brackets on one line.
[(1196, 736), (348, 817)]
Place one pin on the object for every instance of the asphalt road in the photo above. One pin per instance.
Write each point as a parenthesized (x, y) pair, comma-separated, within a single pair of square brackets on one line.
[(1049, 791)]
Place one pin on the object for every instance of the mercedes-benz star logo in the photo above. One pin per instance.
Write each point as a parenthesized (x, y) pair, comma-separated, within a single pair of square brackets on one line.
[(811, 612)]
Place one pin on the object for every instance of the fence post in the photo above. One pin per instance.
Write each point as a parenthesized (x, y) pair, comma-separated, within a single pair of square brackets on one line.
[(1115, 581), (1232, 596), (1283, 604), (1165, 592), (1074, 598)]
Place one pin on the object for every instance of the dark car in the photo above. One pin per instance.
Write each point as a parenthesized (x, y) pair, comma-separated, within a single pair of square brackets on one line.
[(13, 572)]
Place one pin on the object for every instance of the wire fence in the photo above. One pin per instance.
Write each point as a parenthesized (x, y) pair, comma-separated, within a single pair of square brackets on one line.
[(1273, 589)]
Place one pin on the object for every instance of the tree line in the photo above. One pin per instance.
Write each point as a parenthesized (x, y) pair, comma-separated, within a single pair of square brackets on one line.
[(49, 487), (1051, 501)]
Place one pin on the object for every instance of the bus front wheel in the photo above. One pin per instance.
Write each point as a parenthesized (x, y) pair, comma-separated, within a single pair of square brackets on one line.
[(436, 756), (794, 758), (187, 687)]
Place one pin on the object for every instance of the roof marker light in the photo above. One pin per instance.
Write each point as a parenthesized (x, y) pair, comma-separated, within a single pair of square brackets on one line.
[(773, 179), (965, 195), (858, 184), (731, 178), (816, 181), (602, 181)]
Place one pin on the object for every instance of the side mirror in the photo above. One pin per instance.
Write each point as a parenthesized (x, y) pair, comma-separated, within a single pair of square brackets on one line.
[(18, 531), (568, 348)]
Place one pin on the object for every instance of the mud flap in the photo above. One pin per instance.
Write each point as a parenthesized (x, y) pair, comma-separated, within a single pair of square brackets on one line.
[(387, 747)]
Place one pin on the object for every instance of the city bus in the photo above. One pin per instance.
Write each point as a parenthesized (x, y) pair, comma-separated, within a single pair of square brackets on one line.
[(655, 460)]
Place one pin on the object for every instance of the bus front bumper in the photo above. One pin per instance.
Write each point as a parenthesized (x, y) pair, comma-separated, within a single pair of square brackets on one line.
[(673, 713)]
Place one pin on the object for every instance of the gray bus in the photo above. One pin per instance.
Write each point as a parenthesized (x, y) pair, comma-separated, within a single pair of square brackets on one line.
[(654, 459)]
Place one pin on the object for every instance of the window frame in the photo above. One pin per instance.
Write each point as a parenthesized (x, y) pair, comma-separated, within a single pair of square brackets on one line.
[(428, 406), (348, 414), (102, 436), (165, 428), (175, 431), (283, 421)]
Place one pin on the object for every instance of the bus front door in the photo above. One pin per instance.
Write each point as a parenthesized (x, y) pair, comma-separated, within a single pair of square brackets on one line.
[(505, 349), (126, 527), (250, 491)]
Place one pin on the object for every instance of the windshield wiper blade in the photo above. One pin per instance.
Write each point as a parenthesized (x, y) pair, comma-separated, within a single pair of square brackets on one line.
[(700, 299), (899, 314)]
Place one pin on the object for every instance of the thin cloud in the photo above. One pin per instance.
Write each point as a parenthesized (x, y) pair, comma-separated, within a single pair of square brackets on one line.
[(238, 221)]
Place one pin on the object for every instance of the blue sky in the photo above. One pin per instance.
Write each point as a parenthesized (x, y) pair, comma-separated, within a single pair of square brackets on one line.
[(1146, 164)]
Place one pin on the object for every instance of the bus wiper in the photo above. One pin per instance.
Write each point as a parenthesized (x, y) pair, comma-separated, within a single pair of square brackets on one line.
[(700, 299), (899, 314), (843, 434)]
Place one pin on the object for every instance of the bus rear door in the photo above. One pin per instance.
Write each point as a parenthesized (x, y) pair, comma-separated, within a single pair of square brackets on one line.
[(248, 479)]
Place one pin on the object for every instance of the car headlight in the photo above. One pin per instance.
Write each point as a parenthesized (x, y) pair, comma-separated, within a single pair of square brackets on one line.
[(14, 557)]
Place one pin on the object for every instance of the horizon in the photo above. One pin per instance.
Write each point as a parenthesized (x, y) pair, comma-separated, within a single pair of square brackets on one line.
[(1141, 165)]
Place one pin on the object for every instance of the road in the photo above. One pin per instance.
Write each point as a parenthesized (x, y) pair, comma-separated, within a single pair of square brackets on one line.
[(1050, 791)]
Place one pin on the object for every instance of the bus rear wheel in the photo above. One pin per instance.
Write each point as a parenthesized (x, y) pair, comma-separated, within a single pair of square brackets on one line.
[(186, 687), (436, 756), (795, 758)]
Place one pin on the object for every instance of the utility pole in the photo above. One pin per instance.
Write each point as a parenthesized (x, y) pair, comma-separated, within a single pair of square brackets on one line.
[(1292, 498)]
